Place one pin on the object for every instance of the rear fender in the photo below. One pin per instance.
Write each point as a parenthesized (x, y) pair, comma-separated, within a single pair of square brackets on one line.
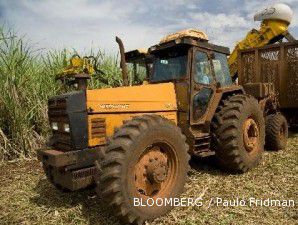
[(220, 95)]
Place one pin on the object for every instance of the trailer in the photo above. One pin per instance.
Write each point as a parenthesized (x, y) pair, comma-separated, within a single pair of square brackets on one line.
[(275, 64)]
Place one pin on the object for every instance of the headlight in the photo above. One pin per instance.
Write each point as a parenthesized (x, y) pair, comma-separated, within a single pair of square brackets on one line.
[(54, 126), (66, 127)]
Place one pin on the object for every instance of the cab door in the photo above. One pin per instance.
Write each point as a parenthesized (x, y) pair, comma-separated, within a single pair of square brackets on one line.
[(203, 86)]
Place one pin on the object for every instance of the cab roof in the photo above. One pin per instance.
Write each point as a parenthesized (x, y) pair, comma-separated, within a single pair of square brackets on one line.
[(188, 37), (188, 41), (190, 33), (136, 55)]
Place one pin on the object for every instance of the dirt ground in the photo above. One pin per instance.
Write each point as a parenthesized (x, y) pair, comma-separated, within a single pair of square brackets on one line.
[(26, 197)]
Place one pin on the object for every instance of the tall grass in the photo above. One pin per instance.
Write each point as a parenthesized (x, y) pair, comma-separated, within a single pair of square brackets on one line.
[(27, 80)]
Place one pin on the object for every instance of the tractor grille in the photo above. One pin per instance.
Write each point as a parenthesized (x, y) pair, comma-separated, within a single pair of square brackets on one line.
[(58, 114), (98, 128), (68, 115), (56, 105)]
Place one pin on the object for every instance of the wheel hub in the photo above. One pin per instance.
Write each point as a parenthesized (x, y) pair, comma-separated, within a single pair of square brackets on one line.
[(151, 172), (251, 135), (156, 171)]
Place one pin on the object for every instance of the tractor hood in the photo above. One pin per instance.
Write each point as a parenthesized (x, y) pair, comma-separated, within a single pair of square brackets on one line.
[(143, 98)]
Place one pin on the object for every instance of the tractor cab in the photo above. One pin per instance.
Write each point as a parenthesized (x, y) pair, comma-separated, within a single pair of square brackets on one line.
[(188, 53), (200, 72)]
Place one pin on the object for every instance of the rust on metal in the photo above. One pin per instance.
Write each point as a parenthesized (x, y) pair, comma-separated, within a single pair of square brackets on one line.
[(69, 180), (155, 171), (151, 171), (275, 64), (251, 136), (122, 62)]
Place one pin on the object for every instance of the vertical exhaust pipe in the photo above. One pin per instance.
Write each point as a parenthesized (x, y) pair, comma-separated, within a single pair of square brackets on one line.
[(122, 62)]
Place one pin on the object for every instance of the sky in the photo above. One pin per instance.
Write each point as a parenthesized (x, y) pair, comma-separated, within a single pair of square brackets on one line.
[(82, 24)]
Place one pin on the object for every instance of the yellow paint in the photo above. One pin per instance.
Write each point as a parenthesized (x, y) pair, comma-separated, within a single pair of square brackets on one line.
[(124, 103), (269, 29), (115, 120), (143, 98), (78, 65)]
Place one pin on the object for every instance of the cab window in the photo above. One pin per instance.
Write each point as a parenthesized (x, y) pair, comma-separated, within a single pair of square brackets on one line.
[(137, 71), (202, 72), (221, 69), (169, 65), (201, 101)]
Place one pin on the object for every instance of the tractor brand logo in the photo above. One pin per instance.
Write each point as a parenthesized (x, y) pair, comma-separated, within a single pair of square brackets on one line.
[(114, 106)]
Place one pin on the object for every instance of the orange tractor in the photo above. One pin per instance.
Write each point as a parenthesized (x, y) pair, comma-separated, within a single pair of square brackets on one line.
[(136, 141)]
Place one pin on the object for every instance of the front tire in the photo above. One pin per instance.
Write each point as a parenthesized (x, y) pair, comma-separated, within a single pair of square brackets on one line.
[(146, 158), (238, 133)]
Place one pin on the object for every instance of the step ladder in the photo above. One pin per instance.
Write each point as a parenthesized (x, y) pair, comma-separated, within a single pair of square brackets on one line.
[(201, 145)]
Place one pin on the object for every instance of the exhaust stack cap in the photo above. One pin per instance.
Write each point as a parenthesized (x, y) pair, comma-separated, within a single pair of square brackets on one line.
[(278, 11)]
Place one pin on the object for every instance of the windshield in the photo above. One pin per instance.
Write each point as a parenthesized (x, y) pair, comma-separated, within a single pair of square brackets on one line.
[(170, 65)]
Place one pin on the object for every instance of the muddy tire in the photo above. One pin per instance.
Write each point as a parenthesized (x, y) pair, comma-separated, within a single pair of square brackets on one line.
[(276, 132), (146, 158), (238, 133)]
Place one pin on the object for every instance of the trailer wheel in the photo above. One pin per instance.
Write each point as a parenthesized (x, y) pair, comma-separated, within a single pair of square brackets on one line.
[(276, 132), (238, 133), (145, 160)]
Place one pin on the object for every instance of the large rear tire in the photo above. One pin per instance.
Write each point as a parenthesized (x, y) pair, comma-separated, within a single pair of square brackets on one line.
[(146, 158), (276, 132), (238, 133)]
